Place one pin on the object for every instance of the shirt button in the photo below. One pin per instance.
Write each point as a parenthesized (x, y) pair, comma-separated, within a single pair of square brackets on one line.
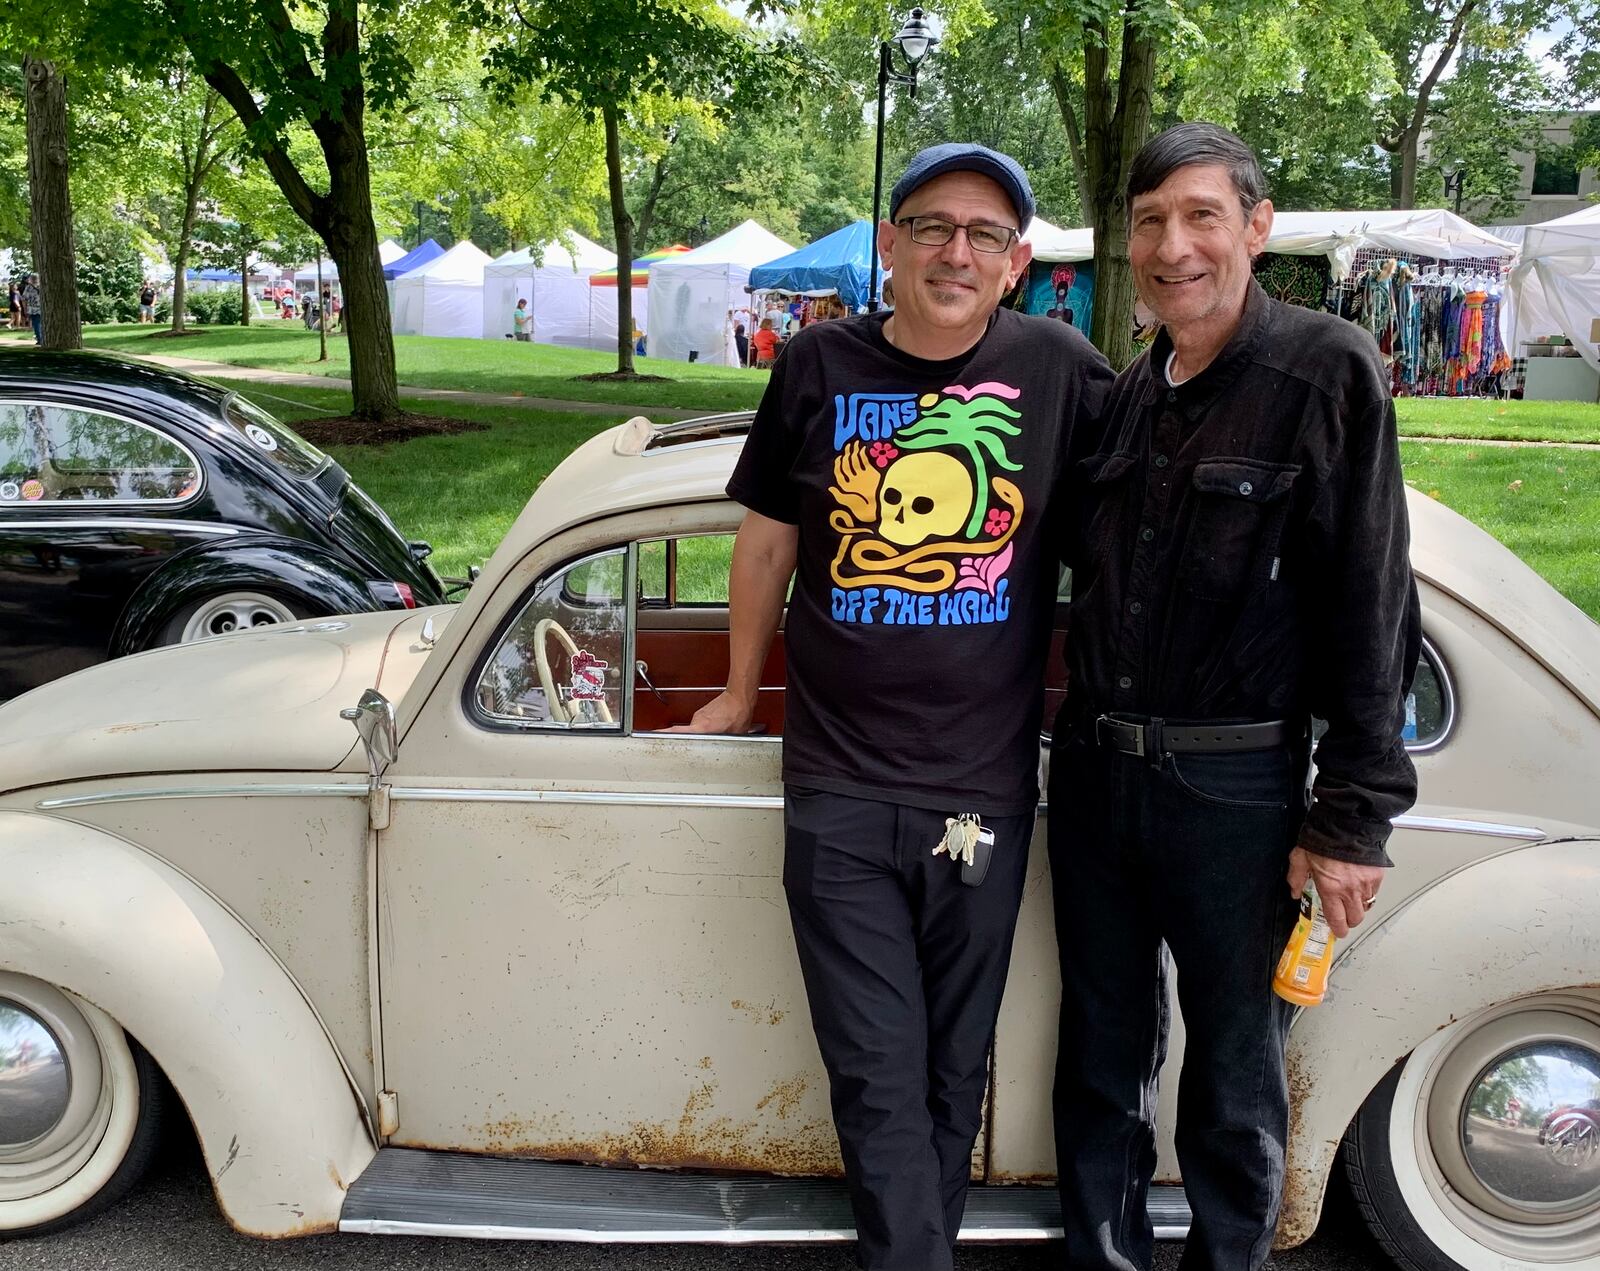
[(1125, 682), (1146, 534), (1135, 607), (1172, 397), (1245, 488), (1161, 461)]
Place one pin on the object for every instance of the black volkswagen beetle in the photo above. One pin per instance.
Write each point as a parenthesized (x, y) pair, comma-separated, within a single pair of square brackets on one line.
[(139, 507)]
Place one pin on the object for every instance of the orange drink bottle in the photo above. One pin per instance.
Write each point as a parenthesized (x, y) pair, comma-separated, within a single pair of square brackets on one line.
[(1302, 974)]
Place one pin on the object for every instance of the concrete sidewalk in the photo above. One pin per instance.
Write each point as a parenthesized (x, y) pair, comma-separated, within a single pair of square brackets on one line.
[(258, 375)]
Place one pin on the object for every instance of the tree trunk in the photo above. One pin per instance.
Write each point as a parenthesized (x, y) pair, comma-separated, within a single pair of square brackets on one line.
[(622, 226), (1111, 139), (180, 262), (50, 198), (1403, 172), (352, 241), (244, 286)]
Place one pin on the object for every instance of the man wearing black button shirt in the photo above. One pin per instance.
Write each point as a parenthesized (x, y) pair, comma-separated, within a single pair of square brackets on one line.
[(1239, 547)]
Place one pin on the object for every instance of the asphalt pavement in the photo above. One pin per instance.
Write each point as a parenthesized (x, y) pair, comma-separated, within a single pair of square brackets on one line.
[(171, 1223)]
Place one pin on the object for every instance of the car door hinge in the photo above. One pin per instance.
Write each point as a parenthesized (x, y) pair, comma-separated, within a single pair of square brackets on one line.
[(378, 808), (388, 1113)]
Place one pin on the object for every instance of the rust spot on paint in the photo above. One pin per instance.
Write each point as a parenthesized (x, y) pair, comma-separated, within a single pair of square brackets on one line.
[(705, 1061), (770, 1013), (784, 1097), (693, 1142), (129, 728), (1302, 1187), (333, 1173)]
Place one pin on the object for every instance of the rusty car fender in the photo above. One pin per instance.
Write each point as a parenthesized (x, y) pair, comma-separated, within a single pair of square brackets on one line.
[(277, 1116), (1521, 922)]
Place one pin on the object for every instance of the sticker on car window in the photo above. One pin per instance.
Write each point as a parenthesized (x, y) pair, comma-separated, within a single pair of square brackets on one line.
[(261, 436), (9, 490), (33, 491), (588, 677)]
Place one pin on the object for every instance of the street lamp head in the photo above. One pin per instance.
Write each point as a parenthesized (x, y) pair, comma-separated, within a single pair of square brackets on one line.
[(916, 38), (1452, 168)]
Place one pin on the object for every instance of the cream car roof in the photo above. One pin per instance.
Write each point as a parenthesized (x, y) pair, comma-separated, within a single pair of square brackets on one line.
[(638, 466)]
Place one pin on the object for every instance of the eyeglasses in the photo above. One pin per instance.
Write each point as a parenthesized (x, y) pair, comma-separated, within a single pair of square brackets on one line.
[(931, 231)]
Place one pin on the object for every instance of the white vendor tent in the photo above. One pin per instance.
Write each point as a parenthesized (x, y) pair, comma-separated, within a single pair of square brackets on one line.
[(443, 297), (1556, 283), (693, 296), (306, 276), (1432, 233), (558, 293), (390, 251), (1056, 245)]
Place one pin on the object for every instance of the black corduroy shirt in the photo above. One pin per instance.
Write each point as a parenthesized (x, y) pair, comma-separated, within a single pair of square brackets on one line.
[(1239, 552)]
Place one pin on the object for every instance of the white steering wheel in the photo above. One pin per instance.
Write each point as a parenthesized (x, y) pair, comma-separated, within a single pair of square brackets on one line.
[(560, 712)]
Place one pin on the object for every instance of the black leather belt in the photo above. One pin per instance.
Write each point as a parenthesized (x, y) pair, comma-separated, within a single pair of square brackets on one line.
[(1138, 735)]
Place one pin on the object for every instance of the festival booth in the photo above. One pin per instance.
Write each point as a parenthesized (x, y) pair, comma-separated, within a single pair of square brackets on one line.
[(603, 301), (697, 296), (389, 251), (1060, 278), (556, 287), (444, 296), (836, 265), (417, 257), (1556, 292)]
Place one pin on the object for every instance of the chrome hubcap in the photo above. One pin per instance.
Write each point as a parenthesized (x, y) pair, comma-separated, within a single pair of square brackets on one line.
[(240, 611), (35, 1082)]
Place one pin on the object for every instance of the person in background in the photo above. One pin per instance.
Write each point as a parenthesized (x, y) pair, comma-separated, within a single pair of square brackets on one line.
[(288, 305), (741, 343), (33, 306), (147, 302), (14, 308), (521, 322), (765, 344)]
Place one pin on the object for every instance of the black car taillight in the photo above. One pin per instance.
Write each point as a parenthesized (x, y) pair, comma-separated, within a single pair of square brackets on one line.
[(393, 595)]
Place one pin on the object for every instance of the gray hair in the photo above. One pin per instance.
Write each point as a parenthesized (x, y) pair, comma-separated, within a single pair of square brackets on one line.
[(1185, 145)]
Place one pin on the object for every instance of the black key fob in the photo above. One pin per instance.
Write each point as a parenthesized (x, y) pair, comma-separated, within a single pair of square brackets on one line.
[(982, 853)]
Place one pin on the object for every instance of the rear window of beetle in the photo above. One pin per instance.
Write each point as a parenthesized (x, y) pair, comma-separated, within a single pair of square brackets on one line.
[(271, 438)]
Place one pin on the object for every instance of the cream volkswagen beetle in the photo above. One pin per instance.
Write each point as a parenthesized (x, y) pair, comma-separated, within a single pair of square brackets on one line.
[(466, 973)]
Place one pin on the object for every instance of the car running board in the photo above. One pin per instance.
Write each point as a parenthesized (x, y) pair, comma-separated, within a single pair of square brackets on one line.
[(409, 1192)]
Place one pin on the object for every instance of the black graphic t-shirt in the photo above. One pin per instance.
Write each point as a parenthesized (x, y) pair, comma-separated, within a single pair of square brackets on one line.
[(926, 574)]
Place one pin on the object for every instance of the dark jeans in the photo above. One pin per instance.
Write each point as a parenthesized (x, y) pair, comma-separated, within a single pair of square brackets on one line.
[(904, 967), (37, 320), (1188, 855)]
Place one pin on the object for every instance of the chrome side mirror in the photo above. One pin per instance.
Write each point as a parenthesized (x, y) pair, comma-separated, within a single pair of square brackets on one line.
[(373, 717)]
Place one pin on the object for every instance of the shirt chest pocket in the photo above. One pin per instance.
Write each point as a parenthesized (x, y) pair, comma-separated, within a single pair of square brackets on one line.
[(1240, 506), (1104, 488)]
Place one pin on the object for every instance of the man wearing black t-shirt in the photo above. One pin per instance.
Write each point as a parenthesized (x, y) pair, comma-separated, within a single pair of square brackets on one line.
[(900, 468)]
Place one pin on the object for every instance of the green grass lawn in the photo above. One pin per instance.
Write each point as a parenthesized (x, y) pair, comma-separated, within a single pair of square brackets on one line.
[(1551, 518), (462, 492), (1481, 418), (484, 366)]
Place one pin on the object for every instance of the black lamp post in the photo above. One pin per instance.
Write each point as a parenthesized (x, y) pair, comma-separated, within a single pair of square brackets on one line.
[(704, 229), (915, 41), (1455, 176)]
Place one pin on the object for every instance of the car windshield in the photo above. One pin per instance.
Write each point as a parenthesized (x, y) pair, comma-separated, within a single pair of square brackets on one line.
[(273, 439)]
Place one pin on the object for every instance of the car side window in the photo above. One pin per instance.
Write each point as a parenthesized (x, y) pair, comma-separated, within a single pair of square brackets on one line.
[(559, 664), (1430, 706), (58, 455), (685, 572)]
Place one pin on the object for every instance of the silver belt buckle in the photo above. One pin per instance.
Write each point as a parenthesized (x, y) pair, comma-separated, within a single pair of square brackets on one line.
[(1119, 728)]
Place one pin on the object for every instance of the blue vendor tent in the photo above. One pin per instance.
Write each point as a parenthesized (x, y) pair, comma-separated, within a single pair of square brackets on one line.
[(413, 259), (838, 263)]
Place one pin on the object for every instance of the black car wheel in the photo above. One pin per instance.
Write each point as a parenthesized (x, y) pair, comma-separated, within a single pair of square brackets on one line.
[(224, 613)]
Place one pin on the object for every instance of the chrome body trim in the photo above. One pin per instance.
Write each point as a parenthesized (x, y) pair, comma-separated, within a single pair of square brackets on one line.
[(123, 523), (1454, 825), (663, 799), (355, 791)]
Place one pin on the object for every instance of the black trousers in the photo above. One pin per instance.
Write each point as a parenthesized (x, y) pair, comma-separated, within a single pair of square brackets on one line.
[(904, 967), (1187, 855)]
